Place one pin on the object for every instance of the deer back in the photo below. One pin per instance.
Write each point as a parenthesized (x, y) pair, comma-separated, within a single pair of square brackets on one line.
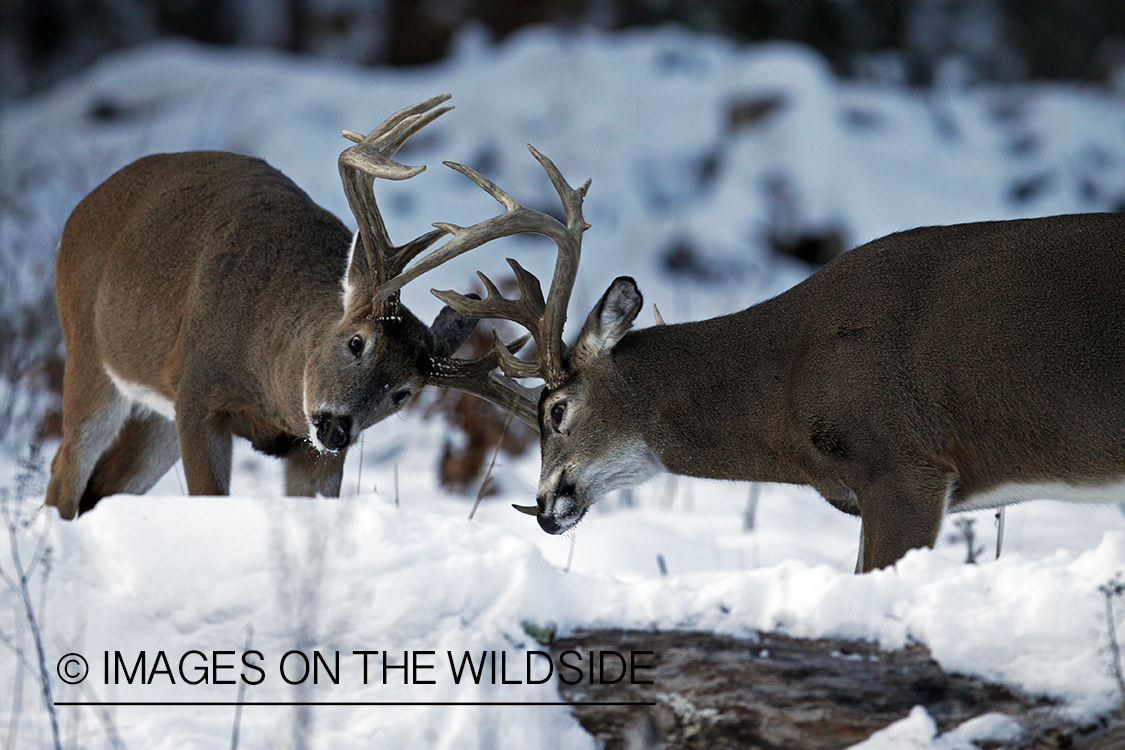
[(996, 348)]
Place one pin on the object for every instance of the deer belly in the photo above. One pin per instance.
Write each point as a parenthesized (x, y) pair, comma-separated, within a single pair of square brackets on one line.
[(141, 394), (1112, 491)]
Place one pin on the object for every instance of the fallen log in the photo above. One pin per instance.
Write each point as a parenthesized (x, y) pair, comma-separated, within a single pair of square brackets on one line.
[(773, 692)]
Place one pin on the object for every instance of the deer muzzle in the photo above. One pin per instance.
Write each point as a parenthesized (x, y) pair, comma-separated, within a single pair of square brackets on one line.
[(561, 511), (333, 431)]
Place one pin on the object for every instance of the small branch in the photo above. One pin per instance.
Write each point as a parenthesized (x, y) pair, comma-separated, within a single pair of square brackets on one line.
[(492, 463), (241, 694), (359, 473), (968, 535), (108, 726), (17, 650), (999, 531), (750, 514), (1114, 589), (20, 581)]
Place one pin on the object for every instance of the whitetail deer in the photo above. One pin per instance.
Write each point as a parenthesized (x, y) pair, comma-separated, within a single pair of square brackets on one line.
[(204, 295), (943, 368)]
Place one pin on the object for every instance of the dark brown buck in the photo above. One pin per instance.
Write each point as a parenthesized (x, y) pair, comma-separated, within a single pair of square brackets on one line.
[(204, 295), (938, 369)]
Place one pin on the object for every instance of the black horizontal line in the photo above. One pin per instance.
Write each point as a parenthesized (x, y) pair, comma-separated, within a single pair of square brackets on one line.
[(354, 703)]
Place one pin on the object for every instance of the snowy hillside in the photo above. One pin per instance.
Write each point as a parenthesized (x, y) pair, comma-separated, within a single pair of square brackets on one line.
[(690, 143)]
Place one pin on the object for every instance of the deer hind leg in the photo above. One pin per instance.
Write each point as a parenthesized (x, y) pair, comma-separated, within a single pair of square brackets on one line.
[(309, 472), (146, 447), (900, 513), (93, 413)]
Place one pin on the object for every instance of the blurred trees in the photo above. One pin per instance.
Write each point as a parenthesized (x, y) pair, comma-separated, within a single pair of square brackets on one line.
[(910, 40)]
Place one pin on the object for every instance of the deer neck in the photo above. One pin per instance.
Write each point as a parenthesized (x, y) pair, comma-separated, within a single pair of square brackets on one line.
[(290, 345), (709, 395)]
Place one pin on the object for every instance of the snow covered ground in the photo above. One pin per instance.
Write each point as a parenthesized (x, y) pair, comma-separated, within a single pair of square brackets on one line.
[(395, 565)]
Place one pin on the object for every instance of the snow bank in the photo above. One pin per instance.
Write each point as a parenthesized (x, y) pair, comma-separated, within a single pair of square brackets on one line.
[(190, 577)]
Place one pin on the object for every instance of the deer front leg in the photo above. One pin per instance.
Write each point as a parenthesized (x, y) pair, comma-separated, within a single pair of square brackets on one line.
[(205, 446), (308, 472), (901, 513)]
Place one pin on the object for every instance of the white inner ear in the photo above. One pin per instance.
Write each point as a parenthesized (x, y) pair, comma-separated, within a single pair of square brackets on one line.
[(608, 322), (616, 317), (598, 342), (613, 325), (349, 290)]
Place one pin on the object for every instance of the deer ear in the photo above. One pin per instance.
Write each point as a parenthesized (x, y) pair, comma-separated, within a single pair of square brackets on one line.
[(450, 330), (610, 319)]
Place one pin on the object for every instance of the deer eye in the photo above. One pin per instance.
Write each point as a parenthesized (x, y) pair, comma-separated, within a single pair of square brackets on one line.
[(399, 397), (355, 346), (558, 411)]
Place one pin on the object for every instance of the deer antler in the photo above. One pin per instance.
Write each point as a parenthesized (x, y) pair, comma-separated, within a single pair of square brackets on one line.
[(370, 158), (476, 376), (544, 319)]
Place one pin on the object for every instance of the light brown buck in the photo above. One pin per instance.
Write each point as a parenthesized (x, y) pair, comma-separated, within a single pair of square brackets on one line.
[(204, 295), (938, 369)]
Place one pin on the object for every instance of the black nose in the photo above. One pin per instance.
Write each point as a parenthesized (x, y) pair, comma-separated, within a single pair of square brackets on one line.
[(333, 431), (566, 490), (549, 524)]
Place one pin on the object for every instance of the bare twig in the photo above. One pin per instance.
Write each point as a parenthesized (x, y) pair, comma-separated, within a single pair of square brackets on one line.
[(20, 580), (1111, 590), (359, 473), (999, 531), (750, 513), (108, 725), (570, 554), (969, 537), (492, 463), (241, 694)]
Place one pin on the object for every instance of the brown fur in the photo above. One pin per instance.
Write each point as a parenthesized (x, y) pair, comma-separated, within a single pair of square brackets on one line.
[(936, 363), (215, 282)]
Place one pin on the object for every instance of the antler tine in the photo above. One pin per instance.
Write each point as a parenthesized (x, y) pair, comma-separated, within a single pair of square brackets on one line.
[(566, 271), (516, 219), (507, 201), (510, 364), (372, 152), (408, 127), (370, 158), (476, 376), (572, 198), (544, 319), (403, 115), (527, 311)]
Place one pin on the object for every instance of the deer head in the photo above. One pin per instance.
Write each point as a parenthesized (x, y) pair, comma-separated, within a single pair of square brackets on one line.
[(379, 354), (583, 457)]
